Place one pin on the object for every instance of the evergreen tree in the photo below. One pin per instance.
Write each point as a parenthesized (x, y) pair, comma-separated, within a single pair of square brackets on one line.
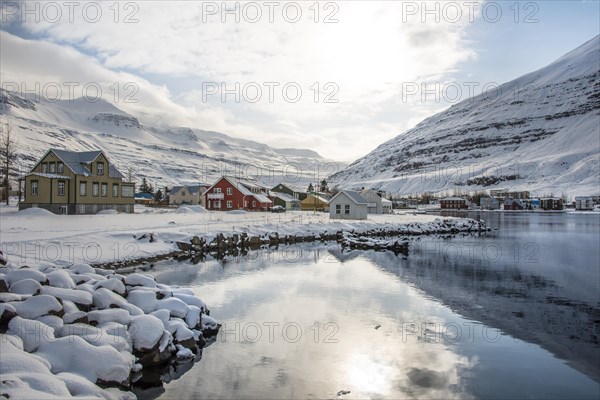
[(310, 188), (158, 196), (323, 187), (145, 187)]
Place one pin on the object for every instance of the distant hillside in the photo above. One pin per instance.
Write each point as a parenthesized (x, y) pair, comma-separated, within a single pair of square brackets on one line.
[(165, 156)]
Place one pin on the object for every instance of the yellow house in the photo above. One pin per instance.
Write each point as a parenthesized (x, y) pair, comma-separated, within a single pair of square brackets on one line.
[(315, 202), (69, 182)]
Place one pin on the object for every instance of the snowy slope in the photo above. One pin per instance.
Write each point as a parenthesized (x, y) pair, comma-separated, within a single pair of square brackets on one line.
[(165, 156), (540, 132)]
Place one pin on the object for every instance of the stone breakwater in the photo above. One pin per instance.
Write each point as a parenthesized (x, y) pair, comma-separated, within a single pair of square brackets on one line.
[(374, 238), (64, 331)]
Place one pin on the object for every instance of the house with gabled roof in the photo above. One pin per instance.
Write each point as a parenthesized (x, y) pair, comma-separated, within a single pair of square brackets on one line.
[(232, 193), (291, 190), (348, 204), (71, 182), (315, 201), (186, 194)]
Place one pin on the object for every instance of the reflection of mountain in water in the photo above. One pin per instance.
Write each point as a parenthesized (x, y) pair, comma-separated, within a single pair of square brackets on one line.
[(524, 305)]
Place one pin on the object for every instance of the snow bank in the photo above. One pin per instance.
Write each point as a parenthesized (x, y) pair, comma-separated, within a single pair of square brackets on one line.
[(36, 212), (192, 209), (71, 328)]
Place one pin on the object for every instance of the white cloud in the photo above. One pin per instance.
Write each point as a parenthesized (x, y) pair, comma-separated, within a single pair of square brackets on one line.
[(366, 55)]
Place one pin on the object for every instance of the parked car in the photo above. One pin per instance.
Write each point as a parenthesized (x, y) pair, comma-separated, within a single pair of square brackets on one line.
[(278, 209)]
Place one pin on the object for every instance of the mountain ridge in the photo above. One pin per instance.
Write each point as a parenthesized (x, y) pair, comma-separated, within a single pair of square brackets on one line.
[(495, 140)]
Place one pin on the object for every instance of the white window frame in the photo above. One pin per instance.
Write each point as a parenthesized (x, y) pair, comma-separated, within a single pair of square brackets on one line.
[(60, 167), (229, 191), (34, 188), (126, 191), (217, 191), (338, 208), (100, 168), (61, 188), (44, 168), (253, 203), (83, 188), (95, 189), (115, 190), (104, 189), (229, 204), (52, 168), (346, 209)]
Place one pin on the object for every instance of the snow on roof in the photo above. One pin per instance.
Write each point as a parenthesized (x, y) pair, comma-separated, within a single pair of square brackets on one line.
[(284, 196), (261, 198), (352, 195), (385, 201), (193, 189), (45, 175), (75, 161), (320, 196), (452, 198)]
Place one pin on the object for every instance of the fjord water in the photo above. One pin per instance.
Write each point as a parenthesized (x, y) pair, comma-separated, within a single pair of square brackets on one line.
[(513, 313)]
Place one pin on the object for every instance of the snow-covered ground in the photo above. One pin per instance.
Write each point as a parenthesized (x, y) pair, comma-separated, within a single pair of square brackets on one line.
[(36, 235)]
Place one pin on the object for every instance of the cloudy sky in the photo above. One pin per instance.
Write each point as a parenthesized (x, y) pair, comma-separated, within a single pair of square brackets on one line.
[(336, 77)]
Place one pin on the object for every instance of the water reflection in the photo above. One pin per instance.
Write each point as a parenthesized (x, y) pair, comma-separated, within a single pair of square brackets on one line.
[(313, 322)]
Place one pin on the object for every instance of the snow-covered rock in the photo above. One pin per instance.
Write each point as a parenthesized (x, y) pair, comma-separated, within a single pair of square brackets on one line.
[(145, 331), (37, 305), (60, 279)]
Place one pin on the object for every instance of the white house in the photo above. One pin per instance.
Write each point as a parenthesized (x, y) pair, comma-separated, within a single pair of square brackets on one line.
[(189, 194), (348, 204), (376, 203), (584, 203)]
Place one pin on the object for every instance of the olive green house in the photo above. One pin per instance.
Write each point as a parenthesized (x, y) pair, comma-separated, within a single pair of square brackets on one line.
[(69, 182)]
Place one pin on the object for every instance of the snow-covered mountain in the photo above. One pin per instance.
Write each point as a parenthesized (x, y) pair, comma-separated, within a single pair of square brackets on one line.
[(165, 156), (540, 132)]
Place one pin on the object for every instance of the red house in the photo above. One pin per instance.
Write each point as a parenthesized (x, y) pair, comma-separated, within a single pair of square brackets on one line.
[(230, 193), (453, 203)]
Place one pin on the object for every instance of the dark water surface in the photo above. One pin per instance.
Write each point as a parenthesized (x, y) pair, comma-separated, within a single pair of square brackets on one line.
[(511, 314)]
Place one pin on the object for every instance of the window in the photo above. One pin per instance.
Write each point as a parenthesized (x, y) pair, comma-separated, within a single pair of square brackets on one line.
[(229, 204), (52, 168), (104, 189), (83, 188), (95, 187), (183, 192), (99, 169), (61, 188), (61, 168), (34, 188), (253, 203), (115, 190), (44, 168), (127, 191), (347, 209), (338, 208), (245, 203), (217, 190), (229, 191)]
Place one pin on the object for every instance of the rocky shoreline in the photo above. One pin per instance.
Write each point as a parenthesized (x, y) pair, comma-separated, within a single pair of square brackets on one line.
[(239, 243), (85, 331)]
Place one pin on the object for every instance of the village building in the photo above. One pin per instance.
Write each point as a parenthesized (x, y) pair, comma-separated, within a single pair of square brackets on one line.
[(144, 199), (376, 203), (230, 193), (453, 203), (514, 204), (584, 203), (70, 182), (185, 194), (348, 204), (290, 190), (551, 203), (504, 194), (285, 200), (489, 203), (315, 201)]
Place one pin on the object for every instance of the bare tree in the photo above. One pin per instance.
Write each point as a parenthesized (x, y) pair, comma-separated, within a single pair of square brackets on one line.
[(8, 153)]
